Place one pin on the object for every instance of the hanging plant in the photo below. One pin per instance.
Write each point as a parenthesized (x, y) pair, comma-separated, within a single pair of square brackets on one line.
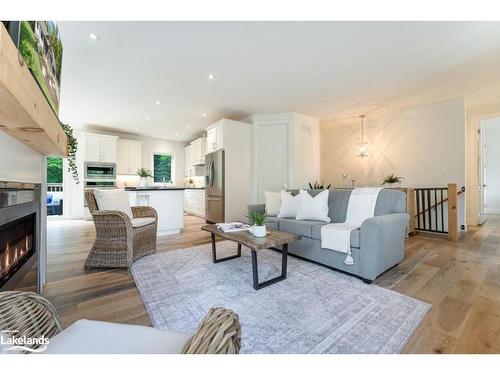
[(72, 147)]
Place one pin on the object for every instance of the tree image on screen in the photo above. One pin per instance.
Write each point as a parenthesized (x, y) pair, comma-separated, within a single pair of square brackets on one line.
[(162, 168), (41, 48)]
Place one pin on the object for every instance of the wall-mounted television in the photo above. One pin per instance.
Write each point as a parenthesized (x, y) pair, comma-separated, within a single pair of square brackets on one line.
[(39, 43)]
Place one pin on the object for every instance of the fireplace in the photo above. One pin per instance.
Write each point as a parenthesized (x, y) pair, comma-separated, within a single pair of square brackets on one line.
[(17, 245), (19, 235)]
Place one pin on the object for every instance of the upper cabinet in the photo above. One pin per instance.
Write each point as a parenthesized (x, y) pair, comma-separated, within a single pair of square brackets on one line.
[(128, 156), (98, 147), (197, 151), (215, 137), (188, 167)]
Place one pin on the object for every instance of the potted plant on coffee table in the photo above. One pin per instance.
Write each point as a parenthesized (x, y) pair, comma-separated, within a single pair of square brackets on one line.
[(258, 219)]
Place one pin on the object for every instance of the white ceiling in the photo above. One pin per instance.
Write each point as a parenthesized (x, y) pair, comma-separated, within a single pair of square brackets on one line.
[(321, 69)]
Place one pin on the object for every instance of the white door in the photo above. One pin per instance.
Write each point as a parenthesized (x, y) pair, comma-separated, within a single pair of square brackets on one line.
[(92, 148), (272, 154), (108, 150), (491, 165)]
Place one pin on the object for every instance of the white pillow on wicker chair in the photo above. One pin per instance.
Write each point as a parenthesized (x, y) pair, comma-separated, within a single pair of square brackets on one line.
[(313, 208), (115, 199)]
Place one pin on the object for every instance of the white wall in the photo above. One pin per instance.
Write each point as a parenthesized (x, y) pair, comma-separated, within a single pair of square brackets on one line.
[(425, 145), (19, 162)]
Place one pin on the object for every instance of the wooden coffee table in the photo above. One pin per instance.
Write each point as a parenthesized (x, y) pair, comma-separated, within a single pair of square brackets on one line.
[(272, 240)]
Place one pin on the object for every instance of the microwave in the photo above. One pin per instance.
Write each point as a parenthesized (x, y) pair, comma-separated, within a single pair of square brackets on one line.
[(98, 170)]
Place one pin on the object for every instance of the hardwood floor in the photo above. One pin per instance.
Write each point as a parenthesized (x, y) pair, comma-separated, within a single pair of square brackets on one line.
[(461, 280)]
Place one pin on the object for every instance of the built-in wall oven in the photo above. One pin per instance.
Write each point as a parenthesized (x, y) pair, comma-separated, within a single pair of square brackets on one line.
[(99, 175), (100, 171)]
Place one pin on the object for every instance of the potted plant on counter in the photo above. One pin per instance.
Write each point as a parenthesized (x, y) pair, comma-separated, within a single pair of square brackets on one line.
[(258, 219), (144, 174)]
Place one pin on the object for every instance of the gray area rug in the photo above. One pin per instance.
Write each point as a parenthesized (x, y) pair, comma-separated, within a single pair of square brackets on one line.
[(315, 310)]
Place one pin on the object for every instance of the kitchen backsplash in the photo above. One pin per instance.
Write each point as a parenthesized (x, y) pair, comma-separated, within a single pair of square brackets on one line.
[(198, 181)]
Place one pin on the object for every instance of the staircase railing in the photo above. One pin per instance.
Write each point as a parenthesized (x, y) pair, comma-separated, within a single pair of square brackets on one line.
[(426, 207)]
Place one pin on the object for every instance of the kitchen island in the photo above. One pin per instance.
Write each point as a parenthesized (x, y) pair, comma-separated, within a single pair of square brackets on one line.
[(168, 203)]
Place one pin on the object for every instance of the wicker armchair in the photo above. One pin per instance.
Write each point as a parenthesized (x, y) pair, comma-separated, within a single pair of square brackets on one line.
[(31, 315), (118, 244)]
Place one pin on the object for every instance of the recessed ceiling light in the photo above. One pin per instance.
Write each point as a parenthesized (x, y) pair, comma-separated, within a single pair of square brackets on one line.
[(176, 134), (188, 126), (136, 129), (94, 36), (204, 115), (165, 137), (210, 76), (158, 101), (147, 117)]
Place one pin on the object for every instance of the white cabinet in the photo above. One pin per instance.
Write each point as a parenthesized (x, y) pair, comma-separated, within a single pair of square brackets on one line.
[(194, 202), (197, 154), (215, 138), (188, 167), (128, 156), (168, 204), (99, 147)]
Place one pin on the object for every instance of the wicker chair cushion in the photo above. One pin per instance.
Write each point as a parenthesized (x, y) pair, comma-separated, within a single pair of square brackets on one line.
[(94, 337), (115, 199), (141, 221)]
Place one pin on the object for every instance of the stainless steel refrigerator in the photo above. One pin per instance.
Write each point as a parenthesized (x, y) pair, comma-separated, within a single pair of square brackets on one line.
[(214, 187)]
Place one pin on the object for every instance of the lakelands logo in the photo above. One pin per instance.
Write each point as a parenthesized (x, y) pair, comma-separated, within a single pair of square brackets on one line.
[(23, 343)]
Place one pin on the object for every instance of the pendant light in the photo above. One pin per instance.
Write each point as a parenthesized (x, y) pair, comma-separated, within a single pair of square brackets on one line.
[(362, 146)]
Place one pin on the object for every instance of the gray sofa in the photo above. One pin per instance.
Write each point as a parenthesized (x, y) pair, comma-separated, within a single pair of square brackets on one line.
[(376, 246)]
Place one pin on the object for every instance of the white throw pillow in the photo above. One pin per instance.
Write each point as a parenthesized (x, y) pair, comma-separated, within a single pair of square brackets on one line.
[(313, 208), (273, 203), (115, 199), (289, 205)]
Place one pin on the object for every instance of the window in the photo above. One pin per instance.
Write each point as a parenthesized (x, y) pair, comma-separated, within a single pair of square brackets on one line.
[(162, 167), (54, 170)]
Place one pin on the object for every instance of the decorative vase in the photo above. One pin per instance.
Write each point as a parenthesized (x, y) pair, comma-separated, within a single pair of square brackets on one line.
[(143, 182), (258, 230)]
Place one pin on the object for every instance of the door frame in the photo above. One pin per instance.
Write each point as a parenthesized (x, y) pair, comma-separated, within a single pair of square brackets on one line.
[(482, 167)]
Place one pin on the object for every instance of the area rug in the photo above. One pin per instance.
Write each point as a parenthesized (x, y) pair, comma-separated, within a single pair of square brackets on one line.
[(315, 310)]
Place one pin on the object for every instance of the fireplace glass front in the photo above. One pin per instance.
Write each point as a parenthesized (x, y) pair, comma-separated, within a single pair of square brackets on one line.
[(17, 245)]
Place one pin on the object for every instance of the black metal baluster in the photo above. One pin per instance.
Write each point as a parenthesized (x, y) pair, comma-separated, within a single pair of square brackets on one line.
[(424, 227), (436, 208), (442, 211), (429, 213)]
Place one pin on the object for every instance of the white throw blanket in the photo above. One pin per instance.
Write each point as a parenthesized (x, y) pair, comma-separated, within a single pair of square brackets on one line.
[(337, 236)]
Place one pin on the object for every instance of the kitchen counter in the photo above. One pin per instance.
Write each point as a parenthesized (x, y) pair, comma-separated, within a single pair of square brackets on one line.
[(132, 188), (195, 188), (168, 203)]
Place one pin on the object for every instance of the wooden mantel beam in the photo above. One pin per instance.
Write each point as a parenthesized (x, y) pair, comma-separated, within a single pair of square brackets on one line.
[(25, 113)]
